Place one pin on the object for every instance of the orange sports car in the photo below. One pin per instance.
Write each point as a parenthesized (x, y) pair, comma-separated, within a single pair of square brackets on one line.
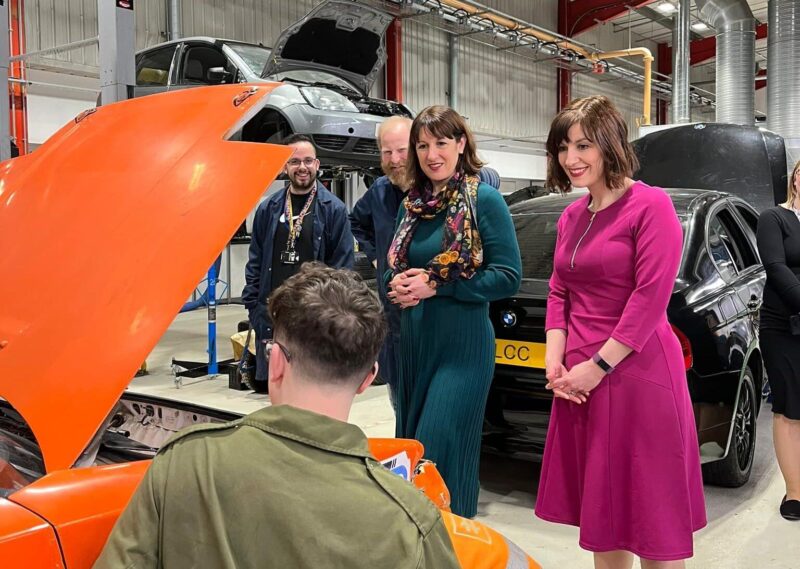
[(104, 232)]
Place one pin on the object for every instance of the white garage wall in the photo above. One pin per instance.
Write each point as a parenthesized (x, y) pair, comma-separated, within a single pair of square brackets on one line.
[(51, 23), (502, 94)]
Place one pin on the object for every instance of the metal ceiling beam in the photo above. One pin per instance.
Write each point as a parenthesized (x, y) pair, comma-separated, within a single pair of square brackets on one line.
[(582, 15), (663, 20)]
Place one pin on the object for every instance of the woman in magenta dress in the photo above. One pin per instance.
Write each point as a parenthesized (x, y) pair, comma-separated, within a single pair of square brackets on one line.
[(621, 459)]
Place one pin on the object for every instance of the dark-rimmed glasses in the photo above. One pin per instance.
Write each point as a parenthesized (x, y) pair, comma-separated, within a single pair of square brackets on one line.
[(307, 162), (268, 350)]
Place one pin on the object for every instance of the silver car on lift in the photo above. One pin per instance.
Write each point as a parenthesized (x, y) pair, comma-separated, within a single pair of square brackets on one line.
[(328, 62)]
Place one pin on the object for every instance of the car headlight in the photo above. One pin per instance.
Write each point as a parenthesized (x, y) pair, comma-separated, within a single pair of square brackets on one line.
[(327, 100)]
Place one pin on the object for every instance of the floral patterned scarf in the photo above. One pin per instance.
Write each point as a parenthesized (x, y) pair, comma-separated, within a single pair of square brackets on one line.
[(462, 249)]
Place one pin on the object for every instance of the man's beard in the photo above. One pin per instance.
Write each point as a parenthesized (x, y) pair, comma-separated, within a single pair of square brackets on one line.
[(312, 178), (396, 177)]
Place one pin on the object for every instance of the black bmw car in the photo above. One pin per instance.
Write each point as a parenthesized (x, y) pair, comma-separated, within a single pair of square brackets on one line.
[(713, 311)]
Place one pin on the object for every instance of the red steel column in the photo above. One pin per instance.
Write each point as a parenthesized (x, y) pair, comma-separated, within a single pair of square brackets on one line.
[(564, 83), (19, 118), (394, 61)]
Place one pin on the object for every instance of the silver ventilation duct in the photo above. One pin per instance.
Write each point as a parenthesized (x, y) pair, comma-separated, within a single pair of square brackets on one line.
[(681, 111), (736, 46), (783, 55)]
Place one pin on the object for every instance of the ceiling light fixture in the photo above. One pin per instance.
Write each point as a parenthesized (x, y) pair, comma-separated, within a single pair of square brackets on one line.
[(666, 8), (699, 26)]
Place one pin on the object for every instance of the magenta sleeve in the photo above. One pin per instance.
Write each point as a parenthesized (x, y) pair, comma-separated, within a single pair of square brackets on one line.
[(558, 298), (658, 240)]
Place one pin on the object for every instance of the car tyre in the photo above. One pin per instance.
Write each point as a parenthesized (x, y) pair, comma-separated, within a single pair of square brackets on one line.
[(734, 470)]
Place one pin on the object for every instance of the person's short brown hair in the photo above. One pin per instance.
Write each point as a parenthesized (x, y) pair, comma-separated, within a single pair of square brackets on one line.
[(791, 192), (602, 124), (442, 122), (330, 322)]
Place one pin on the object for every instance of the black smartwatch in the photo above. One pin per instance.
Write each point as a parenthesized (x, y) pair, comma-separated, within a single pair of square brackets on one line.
[(602, 364)]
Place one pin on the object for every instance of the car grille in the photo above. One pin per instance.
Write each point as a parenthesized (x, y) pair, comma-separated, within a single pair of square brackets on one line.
[(330, 141), (366, 146), (530, 313)]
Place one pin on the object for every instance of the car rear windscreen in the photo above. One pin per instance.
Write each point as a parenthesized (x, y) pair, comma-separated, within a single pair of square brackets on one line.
[(536, 234)]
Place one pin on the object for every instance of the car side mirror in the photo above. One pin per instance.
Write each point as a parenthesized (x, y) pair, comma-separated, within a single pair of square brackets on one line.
[(218, 75)]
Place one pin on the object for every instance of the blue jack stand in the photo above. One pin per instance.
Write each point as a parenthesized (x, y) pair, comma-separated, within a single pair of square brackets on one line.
[(182, 368)]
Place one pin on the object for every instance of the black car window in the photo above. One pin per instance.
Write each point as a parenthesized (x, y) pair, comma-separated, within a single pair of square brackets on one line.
[(744, 253), (152, 68), (720, 246), (750, 218), (750, 228), (536, 235), (197, 60)]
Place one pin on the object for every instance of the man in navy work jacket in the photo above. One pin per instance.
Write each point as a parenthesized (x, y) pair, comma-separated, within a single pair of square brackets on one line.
[(303, 222), (373, 222)]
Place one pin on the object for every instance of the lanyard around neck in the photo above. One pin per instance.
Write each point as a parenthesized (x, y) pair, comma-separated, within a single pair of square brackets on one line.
[(296, 228)]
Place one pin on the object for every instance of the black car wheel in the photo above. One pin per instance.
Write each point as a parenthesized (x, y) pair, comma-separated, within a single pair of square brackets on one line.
[(734, 470)]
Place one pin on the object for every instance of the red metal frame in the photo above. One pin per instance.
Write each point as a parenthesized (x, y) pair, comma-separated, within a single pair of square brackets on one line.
[(761, 79), (18, 118), (564, 76), (394, 61)]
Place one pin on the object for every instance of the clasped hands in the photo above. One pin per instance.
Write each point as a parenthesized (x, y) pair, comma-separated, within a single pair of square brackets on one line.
[(410, 287), (574, 384)]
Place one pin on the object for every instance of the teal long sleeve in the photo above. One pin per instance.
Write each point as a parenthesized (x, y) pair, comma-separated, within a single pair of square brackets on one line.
[(501, 273)]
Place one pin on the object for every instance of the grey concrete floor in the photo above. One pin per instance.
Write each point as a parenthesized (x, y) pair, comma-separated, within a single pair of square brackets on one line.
[(744, 530)]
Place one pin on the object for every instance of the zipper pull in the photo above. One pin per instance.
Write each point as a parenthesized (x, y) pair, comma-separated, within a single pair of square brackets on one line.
[(578, 244)]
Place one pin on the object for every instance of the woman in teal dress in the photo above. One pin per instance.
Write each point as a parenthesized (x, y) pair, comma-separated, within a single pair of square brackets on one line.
[(454, 251)]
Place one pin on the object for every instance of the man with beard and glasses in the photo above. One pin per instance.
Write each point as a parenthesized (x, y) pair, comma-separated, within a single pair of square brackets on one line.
[(373, 222), (303, 222)]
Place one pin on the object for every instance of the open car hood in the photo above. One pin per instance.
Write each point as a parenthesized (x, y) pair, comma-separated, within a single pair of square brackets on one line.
[(342, 38), (105, 230)]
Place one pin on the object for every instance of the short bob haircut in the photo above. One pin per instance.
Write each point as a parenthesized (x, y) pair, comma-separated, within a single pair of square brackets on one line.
[(791, 191), (442, 122), (603, 125)]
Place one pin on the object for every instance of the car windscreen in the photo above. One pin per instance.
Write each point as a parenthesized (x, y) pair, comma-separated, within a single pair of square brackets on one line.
[(21, 459), (254, 56), (536, 234)]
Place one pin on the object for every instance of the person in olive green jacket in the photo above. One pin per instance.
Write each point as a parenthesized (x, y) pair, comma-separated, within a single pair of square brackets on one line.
[(292, 485)]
